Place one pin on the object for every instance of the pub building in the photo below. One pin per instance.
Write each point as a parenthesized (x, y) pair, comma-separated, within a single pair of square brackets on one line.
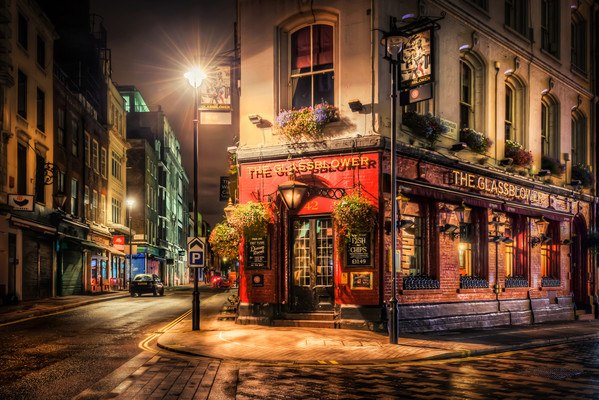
[(484, 238), (478, 248)]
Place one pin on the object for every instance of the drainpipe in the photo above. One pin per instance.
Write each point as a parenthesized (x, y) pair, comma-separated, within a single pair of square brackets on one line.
[(497, 66)]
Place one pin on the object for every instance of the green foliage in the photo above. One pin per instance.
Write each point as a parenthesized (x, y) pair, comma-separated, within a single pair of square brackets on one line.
[(251, 219), (476, 141), (428, 127), (583, 173), (354, 214), (224, 240)]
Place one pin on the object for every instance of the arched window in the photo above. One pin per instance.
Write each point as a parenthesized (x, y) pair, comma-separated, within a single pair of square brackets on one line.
[(312, 65), (578, 42), (514, 110), (307, 49), (549, 127), (471, 92), (579, 138)]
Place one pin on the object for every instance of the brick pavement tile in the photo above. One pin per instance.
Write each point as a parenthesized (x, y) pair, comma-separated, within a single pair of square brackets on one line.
[(207, 381)]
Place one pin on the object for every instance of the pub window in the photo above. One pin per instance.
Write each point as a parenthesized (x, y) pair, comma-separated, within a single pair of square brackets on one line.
[(549, 127), (516, 16), (578, 46), (550, 26), (411, 245), (579, 138), (515, 240), (471, 250), (514, 110), (312, 66), (550, 273), (466, 95), (471, 89)]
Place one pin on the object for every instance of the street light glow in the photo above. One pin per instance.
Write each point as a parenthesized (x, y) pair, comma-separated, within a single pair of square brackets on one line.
[(195, 76)]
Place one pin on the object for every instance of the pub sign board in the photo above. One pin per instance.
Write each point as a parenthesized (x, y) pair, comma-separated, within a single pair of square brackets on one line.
[(358, 251), (256, 251)]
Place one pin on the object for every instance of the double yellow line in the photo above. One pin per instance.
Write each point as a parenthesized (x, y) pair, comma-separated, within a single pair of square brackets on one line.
[(145, 344)]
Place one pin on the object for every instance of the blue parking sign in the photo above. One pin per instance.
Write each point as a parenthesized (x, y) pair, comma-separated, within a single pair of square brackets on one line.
[(195, 249)]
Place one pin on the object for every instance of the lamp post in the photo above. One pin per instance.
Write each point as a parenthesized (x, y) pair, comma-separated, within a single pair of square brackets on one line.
[(393, 43), (195, 76), (130, 203)]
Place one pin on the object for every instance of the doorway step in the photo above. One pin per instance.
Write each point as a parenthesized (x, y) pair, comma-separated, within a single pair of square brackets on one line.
[(308, 320), (584, 315)]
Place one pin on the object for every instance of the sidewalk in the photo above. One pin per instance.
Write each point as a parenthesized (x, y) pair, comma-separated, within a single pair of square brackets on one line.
[(35, 308), (222, 339)]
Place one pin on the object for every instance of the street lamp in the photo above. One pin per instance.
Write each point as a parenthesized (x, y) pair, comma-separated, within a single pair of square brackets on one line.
[(195, 76), (130, 203), (393, 43)]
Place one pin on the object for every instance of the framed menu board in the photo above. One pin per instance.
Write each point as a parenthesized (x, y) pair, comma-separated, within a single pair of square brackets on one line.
[(358, 251), (256, 252), (361, 280)]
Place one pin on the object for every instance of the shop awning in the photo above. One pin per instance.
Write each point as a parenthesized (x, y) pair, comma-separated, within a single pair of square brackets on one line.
[(93, 245)]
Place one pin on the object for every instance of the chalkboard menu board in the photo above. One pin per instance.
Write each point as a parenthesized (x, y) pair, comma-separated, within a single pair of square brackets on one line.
[(256, 251), (359, 250)]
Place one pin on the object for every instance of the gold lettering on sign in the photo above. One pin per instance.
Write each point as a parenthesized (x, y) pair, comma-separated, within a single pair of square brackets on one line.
[(496, 187), (337, 164)]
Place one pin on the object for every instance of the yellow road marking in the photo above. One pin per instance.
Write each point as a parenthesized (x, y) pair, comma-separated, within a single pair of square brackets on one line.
[(145, 344)]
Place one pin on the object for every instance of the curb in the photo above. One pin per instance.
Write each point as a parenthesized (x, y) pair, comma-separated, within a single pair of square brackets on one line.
[(446, 356), (39, 313)]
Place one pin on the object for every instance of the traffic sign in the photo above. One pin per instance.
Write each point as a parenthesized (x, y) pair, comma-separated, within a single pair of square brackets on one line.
[(196, 248)]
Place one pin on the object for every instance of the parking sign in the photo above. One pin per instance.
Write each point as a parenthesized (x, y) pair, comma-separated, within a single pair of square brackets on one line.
[(196, 248)]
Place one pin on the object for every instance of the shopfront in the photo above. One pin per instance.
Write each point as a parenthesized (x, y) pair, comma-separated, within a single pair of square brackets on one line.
[(477, 246)]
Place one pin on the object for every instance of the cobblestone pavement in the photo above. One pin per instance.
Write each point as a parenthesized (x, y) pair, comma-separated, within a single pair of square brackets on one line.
[(568, 371)]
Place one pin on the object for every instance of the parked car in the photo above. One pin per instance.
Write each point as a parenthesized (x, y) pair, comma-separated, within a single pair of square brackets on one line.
[(146, 283), (219, 281)]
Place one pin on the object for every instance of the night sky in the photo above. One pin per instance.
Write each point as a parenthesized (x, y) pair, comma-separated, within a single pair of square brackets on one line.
[(153, 43)]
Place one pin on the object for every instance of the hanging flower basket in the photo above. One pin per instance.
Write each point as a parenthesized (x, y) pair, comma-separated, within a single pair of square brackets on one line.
[(252, 219), (354, 214), (520, 156), (553, 165), (224, 240), (582, 173), (428, 127), (305, 122), (476, 141)]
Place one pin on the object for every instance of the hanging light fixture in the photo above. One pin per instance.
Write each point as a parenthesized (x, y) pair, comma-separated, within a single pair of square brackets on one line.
[(292, 192), (463, 212)]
